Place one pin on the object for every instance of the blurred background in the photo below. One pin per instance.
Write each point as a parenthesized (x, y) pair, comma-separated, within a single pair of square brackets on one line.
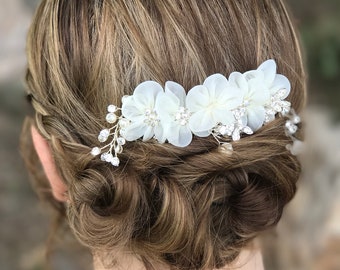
[(307, 238)]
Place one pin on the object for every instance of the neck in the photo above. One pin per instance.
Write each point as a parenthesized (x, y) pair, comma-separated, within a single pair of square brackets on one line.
[(122, 261), (248, 260)]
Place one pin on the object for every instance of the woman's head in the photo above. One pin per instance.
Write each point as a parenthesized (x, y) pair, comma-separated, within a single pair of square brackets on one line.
[(192, 207)]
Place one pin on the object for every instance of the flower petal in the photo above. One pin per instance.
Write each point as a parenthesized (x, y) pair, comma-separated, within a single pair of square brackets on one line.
[(180, 136), (237, 79), (145, 94), (134, 131), (256, 116), (254, 74), (230, 98), (159, 134), (148, 133), (257, 95), (269, 70), (131, 111), (198, 98), (173, 88), (280, 82), (215, 83), (201, 121), (223, 116), (166, 106), (203, 133)]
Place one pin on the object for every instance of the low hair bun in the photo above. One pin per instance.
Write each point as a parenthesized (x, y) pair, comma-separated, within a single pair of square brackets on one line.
[(254, 203)]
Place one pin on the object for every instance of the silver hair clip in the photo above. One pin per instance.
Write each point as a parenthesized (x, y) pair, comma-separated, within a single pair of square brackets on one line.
[(221, 107)]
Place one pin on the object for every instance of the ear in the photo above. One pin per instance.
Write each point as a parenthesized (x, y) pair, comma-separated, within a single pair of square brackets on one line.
[(43, 150)]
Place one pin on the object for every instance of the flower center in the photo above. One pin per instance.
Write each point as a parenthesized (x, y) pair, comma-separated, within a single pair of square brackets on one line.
[(151, 118), (182, 116), (246, 102), (213, 104)]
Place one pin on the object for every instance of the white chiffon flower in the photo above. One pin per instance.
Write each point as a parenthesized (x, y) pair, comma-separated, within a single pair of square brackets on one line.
[(255, 96), (172, 112), (258, 86), (139, 109), (212, 103)]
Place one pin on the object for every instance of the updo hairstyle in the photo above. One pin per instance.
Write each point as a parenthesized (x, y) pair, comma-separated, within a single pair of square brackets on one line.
[(189, 208)]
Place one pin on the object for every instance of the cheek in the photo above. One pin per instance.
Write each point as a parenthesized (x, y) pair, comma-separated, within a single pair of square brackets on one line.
[(45, 156)]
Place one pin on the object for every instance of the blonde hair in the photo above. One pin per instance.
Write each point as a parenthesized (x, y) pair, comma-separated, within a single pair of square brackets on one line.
[(190, 208)]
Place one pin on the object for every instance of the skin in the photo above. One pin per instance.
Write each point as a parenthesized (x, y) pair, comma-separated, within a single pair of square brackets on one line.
[(249, 259), (43, 150)]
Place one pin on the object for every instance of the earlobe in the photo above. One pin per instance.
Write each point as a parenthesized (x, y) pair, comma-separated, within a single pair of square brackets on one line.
[(43, 150)]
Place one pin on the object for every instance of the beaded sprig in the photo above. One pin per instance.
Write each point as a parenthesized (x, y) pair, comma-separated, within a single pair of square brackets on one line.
[(115, 147)]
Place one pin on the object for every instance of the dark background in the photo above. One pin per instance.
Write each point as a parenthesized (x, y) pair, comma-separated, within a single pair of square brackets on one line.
[(308, 236)]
